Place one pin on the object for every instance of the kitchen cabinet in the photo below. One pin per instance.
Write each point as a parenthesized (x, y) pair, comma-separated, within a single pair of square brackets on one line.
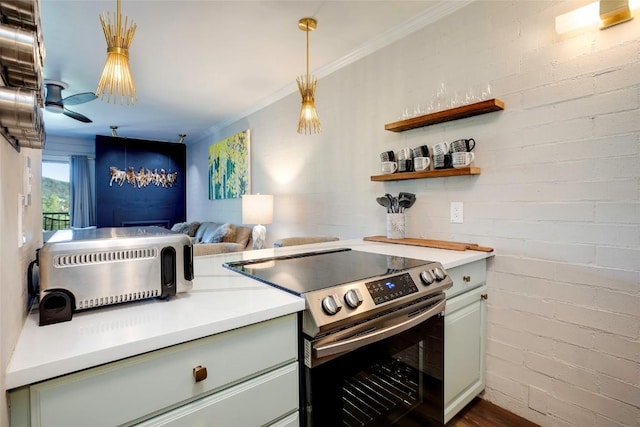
[(256, 364), (465, 336)]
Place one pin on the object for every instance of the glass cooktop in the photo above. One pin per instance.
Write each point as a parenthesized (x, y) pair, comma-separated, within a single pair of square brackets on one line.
[(311, 271)]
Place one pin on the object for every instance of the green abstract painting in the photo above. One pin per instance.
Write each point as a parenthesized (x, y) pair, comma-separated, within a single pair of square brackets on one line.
[(229, 167)]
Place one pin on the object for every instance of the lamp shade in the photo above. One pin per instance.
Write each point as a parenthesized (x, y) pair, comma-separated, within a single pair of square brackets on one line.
[(257, 209)]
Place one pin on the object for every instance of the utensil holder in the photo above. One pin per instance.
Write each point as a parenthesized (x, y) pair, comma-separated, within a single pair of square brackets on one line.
[(395, 226)]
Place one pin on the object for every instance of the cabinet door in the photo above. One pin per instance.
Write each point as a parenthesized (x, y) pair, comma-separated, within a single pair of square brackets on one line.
[(464, 350)]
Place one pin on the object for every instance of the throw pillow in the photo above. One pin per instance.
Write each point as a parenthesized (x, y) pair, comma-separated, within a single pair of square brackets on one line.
[(188, 228), (225, 233)]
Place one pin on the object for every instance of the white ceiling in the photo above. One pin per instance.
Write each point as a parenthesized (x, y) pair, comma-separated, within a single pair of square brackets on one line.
[(199, 65)]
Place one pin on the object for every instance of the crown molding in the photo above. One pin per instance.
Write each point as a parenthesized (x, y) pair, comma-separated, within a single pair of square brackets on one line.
[(442, 9)]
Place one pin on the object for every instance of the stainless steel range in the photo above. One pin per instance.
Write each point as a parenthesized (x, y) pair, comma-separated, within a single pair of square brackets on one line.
[(372, 335)]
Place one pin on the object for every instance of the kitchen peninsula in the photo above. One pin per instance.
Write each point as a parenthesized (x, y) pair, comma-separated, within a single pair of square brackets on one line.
[(242, 331)]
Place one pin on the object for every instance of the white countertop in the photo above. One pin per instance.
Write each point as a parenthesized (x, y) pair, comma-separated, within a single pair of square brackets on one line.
[(220, 300)]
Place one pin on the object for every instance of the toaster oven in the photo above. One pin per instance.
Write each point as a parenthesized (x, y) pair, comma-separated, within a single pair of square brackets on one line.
[(90, 268)]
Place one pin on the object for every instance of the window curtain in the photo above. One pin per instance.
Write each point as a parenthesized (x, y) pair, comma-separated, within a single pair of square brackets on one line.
[(82, 204)]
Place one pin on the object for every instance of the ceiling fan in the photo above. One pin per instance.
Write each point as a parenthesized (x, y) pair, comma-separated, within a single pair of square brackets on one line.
[(56, 104)]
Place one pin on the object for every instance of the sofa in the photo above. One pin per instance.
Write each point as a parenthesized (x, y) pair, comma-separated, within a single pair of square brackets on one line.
[(210, 238), (295, 241)]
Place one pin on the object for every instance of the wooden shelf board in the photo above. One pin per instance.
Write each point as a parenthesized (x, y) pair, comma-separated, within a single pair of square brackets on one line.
[(399, 176), (482, 107), (440, 244)]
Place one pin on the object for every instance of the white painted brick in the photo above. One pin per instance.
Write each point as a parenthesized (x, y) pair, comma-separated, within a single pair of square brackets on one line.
[(624, 280), (597, 62), (591, 401), (508, 386), (617, 123), (517, 407), (628, 326), (559, 331), (602, 421), (572, 414), (577, 253), (624, 258), (559, 131), (538, 400), (617, 346), (618, 302), (558, 92), (504, 351), (596, 148), (618, 212), (613, 366), (620, 390), (523, 303), (521, 339), (618, 78), (559, 370)]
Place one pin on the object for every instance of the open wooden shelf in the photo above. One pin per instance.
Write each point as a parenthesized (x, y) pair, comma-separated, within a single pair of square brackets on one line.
[(399, 176), (482, 107)]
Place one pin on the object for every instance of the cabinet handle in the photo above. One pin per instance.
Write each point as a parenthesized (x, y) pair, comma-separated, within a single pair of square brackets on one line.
[(199, 373), (484, 296), (466, 279)]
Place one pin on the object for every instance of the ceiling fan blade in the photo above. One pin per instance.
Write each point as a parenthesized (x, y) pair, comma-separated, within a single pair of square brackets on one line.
[(79, 98), (77, 116)]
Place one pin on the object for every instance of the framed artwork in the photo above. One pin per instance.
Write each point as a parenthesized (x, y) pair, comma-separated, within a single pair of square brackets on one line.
[(229, 176)]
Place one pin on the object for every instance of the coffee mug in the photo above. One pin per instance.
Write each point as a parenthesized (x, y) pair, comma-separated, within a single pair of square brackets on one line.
[(388, 167), (421, 151), (462, 160), (463, 145), (405, 165), (404, 154), (441, 161), (387, 156), (421, 163), (441, 148)]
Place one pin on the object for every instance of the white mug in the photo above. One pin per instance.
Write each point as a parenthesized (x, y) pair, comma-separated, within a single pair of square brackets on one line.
[(421, 163), (441, 148), (388, 167), (462, 159)]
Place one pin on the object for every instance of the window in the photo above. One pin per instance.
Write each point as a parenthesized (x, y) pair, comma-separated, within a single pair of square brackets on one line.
[(55, 194)]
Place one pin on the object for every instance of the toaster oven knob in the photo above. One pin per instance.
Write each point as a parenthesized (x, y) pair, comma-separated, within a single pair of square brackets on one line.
[(353, 298), (427, 277), (331, 304), (439, 273)]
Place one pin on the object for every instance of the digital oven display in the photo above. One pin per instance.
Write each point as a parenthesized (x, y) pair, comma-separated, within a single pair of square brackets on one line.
[(391, 288)]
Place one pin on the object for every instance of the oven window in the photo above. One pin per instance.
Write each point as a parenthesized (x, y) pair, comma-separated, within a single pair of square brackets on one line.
[(395, 382)]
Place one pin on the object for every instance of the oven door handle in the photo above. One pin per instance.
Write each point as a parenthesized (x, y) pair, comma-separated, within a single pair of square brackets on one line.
[(375, 336)]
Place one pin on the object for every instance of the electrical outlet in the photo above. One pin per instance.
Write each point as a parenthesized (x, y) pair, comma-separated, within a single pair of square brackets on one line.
[(456, 213)]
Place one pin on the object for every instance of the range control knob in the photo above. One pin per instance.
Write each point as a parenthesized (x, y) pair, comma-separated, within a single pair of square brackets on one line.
[(427, 277), (439, 273), (353, 298), (331, 304)]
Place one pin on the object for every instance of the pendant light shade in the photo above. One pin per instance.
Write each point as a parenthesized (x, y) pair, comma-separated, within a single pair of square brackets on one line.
[(309, 121), (116, 80)]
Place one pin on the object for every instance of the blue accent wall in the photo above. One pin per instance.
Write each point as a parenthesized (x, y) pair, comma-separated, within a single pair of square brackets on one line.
[(130, 205)]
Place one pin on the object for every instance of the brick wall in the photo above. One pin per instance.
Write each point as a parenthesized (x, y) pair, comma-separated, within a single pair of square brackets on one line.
[(558, 197)]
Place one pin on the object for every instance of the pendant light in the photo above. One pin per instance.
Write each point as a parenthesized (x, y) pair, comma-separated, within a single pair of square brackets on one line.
[(116, 80), (309, 121)]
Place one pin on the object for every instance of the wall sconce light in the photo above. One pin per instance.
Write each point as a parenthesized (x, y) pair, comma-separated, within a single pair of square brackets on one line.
[(605, 12), (114, 130), (257, 209)]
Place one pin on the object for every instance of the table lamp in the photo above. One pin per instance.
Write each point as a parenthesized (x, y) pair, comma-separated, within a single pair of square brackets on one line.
[(257, 209)]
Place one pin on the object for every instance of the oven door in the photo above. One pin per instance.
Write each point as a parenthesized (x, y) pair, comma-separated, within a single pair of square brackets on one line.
[(386, 372)]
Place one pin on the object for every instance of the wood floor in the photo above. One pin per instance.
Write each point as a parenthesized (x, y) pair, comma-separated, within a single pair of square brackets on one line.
[(481, 413)]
